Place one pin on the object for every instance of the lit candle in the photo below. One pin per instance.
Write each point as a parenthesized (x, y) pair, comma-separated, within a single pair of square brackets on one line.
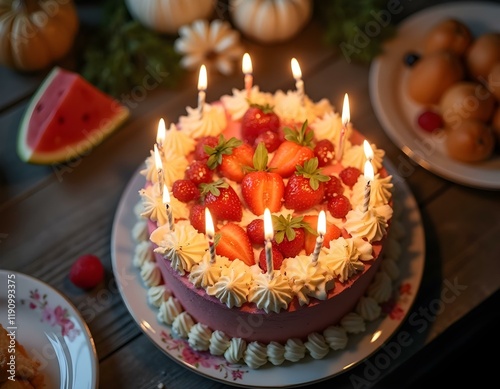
[(210, 231), (368, 150), (321, 236), (346, 118), (368, 177), (202, 87), (168, 208), (159, 167), (160, 135), (247, 71), (268, 235), (297, 74)]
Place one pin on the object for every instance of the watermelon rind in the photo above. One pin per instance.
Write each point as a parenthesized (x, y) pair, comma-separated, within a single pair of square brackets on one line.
[(66, 152)]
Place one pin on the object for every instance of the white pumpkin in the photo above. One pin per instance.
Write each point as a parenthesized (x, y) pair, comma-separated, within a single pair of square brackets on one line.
[(270, 21), (166, 16)]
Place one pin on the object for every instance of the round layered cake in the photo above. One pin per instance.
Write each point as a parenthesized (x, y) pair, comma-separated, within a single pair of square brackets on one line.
[(263, 228)]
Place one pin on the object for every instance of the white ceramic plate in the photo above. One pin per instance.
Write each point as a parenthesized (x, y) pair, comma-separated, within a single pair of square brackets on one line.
[(51, 330), (134, 294), (398, 114)]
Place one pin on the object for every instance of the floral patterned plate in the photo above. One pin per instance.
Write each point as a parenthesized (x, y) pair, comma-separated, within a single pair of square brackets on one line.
[(51, 330), (308, 370)]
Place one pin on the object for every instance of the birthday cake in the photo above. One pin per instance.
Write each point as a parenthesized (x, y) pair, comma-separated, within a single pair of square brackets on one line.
[(263, 228)]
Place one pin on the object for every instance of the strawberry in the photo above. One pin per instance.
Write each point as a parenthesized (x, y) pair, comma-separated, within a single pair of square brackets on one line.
[(260, 188), (197, 217), (256, 120), (293, 151), (324, 151), (289, 234), (349, 175), (233, 242), (199, 172), (200, 153), (306, 188), (333, 187), (185, 190), (332, 233), (277, 258), (222, 201), (231, 158), (255, 231), (87, 271), (339, 206)]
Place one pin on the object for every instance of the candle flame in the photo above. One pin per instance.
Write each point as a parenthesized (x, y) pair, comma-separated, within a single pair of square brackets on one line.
[(158, 163), (202, 78), (346, 112), (166, 195), (368, 171), (246, 65), (297, 73), (209, 223), (322, 223), (160, 135), (268, 224), (368, 150)]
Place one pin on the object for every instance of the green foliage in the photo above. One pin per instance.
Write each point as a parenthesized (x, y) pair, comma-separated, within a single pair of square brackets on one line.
[(124, 54), (357, 28)]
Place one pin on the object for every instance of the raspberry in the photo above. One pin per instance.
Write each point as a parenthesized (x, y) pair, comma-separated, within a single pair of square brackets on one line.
[(349, 176), (339, 206), (185, 190), (270, 139), (87, 272), (199, 151), (324, 151), (255, 231), (333, 187), (277, 258), (199, 172), (430, 121)]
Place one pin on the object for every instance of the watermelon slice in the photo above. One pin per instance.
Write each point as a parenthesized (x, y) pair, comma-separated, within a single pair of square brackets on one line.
[(66, 118)]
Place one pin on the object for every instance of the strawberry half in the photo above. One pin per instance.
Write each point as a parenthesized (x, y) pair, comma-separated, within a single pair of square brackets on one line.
[(332, 233), (257, 120), (290, 234), (222, 201), (260, 188), (233, 242), (295, 150), (231, 157), (277, 258)]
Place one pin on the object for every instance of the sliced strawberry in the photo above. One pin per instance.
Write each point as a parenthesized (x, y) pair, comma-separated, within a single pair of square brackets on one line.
[(222, 201), (306, 187), (197, 217), (255, 231), (295, 150), (185, 190), (231, 158), (290, 234), (332, 233), (256, 120), (200, 152), (233, 242), (277, 258), (260, 188)]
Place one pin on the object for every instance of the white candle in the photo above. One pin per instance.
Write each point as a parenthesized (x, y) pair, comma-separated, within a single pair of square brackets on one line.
[(159, 167), (210, 231), (346, 118), (202, 87), (168, 208), (247, 69), (160, 135), (368, 150), (297, 74), (268, 235), (368, 177), (321, 236)]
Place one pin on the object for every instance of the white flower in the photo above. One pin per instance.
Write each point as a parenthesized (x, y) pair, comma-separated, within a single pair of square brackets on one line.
[(216, 45)]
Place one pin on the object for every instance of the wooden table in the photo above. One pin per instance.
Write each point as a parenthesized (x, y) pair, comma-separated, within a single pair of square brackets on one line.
[(49, 216)]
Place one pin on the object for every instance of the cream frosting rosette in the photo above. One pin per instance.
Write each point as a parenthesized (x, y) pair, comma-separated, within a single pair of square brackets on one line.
[(211, 123)]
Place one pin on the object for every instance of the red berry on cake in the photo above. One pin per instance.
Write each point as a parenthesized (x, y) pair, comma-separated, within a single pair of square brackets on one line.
[(255, 231), (339, 206), (231, 158), (293, 151), (271, 140), (349, 175), (277, 258), (332, 233), (233, 242), (197, 217), (222, 201), (200, 150), (199, 172), (306, 187), (257, 120), (185, 190), (87, 271), (333, 187), (324, 151), (261, 188), (289, 234)]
